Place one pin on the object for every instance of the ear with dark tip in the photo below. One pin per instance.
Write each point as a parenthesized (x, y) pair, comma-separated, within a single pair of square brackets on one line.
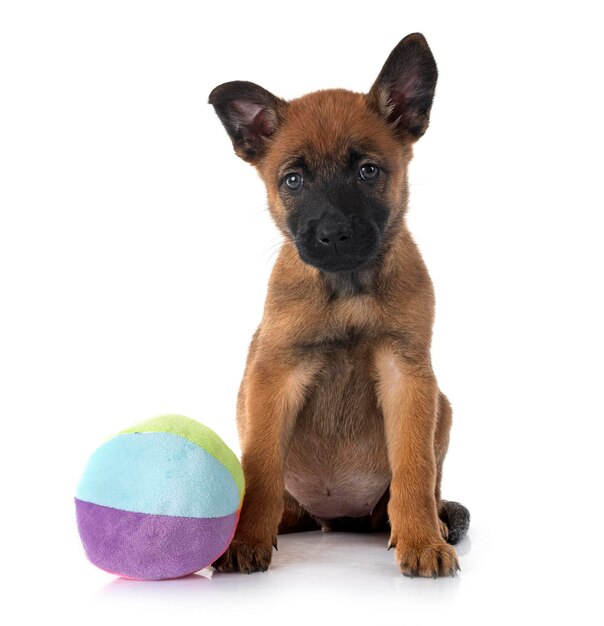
[(250, 115), (404, 90)]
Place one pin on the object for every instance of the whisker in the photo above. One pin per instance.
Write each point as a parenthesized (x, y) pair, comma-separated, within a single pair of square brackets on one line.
[(260, 212)]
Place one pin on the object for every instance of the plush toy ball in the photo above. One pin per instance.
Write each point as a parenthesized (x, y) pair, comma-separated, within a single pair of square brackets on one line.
[(159, 500)]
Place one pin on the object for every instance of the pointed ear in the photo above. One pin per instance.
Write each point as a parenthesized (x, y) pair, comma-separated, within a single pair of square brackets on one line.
[(404, 90), (250, 115)]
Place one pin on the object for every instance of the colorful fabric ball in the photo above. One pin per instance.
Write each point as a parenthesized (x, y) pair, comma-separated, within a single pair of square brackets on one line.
[(159, 500)]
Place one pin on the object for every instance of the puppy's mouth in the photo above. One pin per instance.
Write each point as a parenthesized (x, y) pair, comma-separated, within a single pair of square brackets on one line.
[(336, 264)]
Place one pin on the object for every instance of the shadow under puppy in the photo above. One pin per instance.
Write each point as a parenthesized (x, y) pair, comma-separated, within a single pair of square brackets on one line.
[(341, 421)]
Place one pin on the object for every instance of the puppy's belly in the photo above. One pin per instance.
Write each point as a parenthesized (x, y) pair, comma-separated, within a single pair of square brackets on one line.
[(337, 463), (331, 494)]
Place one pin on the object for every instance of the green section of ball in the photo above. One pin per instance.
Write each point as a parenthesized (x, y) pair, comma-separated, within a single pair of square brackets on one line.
[(198, 434)]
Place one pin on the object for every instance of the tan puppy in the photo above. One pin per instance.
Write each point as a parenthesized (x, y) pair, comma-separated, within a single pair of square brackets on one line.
[(341, 421)]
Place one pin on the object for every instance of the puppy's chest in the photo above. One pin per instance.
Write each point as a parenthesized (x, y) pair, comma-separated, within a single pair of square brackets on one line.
[(346, 331), (337, 463)]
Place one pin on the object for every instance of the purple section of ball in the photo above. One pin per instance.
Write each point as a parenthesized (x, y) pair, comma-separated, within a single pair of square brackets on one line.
[(151, 547)]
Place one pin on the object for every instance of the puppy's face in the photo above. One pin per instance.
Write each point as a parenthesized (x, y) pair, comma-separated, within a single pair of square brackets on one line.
[(334, 175), (335, 162)]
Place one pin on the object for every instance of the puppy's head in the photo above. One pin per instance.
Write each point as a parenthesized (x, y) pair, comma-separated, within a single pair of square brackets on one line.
[(335, 162)]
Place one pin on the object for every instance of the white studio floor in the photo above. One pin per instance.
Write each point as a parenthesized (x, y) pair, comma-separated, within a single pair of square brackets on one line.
[(327, 577)]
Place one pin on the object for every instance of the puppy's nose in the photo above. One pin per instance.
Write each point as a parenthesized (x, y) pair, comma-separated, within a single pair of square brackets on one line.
[(334, 233)]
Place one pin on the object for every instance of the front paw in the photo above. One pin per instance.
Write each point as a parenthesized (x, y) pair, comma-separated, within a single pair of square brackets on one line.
[(428, 559), (245, 556)]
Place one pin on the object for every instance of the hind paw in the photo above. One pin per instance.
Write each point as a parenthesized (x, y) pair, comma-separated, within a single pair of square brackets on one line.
[(456, 518)]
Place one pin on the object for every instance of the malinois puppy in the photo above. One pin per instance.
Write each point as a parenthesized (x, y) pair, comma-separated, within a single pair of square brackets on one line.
[(341, 421)]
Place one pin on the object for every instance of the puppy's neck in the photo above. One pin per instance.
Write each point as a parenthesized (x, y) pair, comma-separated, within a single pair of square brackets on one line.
[(347, 284)]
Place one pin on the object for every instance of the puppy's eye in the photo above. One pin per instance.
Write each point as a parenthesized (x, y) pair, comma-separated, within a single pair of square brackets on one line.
[(294, 181), (369, 171)]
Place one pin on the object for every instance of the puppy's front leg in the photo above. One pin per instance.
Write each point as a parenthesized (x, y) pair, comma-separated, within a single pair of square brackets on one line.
[(274, 390), (408, 395)]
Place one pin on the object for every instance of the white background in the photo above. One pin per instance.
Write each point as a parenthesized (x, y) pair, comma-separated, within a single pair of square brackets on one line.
[(135, 250)]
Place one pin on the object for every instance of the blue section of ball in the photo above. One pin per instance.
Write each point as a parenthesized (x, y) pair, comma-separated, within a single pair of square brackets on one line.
[(158, 473)]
